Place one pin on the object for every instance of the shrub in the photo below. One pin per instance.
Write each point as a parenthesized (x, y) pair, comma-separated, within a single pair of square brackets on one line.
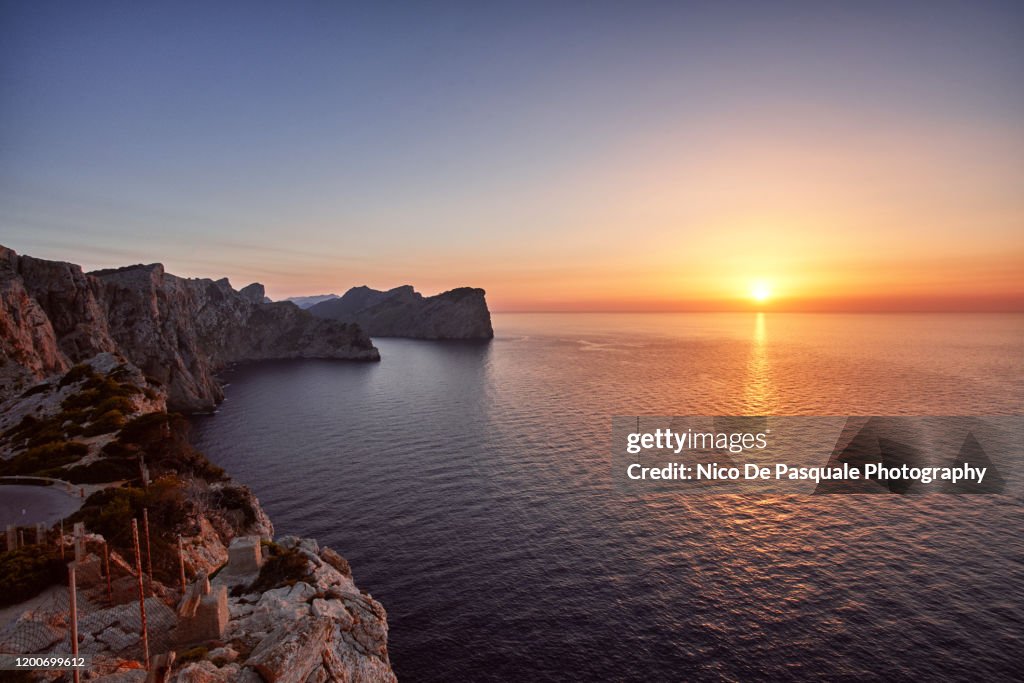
[(163, 437), (77, 417), (45, 460), (118, 403), (37, 389), (27, 424), (283, 568), (26, 572), (110, 421), (83, 400), (102, 471), (237, 498), (120, 451), (98, 390), (148, 427), (110, 512), (77, 374)]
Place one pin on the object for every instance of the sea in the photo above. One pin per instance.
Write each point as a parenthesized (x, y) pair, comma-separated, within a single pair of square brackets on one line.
[(469, 485)]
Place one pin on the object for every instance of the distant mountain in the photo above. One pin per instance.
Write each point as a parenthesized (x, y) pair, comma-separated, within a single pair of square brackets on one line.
[(403, 312), (308, 301)]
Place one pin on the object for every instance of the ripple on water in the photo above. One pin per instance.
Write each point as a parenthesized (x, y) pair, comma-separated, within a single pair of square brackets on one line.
[(468, 486)]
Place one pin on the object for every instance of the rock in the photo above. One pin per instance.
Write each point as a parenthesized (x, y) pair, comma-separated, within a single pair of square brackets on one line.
[(402, 312), (254, 293), (291, 651), (117, 640), (130, 676), (335, 609), (226, 653), (308, 544), (337, 561), (178, 331), (206, 672)]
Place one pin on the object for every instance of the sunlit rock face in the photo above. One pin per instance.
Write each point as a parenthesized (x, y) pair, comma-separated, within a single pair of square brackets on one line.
[(178, 331), (403, 312)]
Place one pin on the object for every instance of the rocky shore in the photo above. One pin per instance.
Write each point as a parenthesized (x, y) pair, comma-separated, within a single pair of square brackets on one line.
[(93, 367)]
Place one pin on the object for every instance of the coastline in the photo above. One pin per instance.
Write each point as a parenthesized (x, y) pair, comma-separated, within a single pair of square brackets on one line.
[(284, 587)]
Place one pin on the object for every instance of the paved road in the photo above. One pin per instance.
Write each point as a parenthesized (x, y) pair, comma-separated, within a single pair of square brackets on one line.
[(26, 505)]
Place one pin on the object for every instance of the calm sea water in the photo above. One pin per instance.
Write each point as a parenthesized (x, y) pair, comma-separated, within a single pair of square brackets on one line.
[(469, 486)]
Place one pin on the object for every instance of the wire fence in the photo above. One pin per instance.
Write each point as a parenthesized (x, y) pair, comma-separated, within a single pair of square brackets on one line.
[(111, 618)]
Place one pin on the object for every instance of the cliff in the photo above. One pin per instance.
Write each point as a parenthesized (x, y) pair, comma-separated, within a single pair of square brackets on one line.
[(254, 610), (178, 331), (402, 312)]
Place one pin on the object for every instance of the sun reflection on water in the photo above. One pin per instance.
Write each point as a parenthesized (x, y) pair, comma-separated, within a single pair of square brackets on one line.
[(759, 394)]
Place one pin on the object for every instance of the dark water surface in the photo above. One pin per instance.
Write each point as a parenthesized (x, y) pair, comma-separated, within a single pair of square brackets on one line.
[(469, 486)]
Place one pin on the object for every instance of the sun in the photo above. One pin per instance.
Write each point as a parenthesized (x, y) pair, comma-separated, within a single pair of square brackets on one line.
[(760, 292)]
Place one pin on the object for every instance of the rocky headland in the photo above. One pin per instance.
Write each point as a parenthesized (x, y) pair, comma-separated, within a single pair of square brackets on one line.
[(93, 366), (176, 330), (460, 313)]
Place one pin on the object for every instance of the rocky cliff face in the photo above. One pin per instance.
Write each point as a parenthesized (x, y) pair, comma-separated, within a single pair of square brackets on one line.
[(285, 611), (402, 312), (178, 331)]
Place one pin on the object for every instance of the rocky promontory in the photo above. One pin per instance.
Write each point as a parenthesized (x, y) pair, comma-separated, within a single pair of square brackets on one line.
[(178, 331), (460, 313), (225, 601), (91, 364)]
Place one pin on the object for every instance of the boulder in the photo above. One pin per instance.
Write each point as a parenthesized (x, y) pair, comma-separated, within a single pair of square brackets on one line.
[(291, 651)]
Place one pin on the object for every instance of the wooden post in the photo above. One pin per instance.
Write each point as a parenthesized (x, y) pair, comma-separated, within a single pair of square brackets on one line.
[(145, 530), (142, 591), (181, 564), (79, 539), (62, 539), (74, 619), (106, 565)]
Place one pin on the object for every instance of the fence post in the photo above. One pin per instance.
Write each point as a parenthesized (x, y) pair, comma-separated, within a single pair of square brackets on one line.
[(12, 537), (149, 554), (74, 619), (181, 564), (40, 533), (106, 564), (79, 539), (142, 592)]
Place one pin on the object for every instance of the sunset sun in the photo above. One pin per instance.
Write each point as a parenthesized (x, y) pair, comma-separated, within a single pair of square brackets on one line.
[(760, 292)]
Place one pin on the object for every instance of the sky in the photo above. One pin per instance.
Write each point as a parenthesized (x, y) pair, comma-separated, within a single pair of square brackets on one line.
[(561, 155)]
